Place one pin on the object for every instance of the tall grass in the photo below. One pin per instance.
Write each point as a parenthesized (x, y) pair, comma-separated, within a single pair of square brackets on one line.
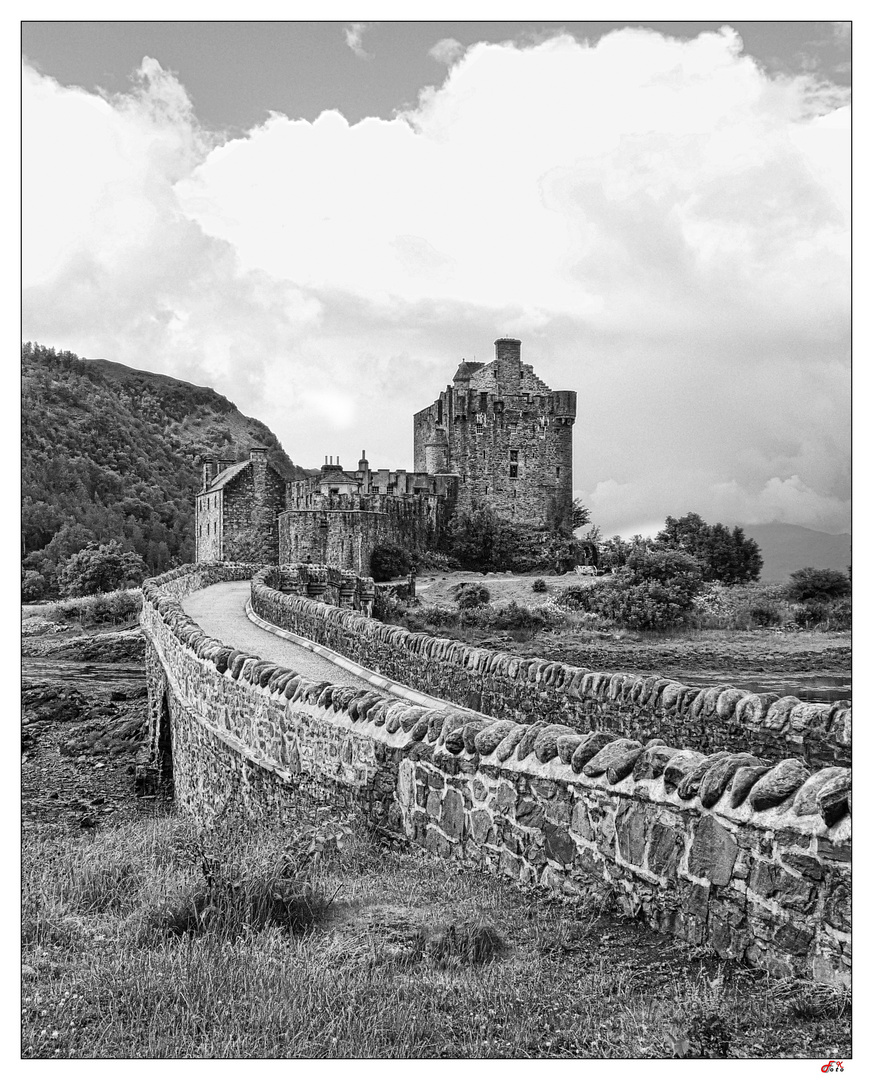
[(102, 609), (401, 959)]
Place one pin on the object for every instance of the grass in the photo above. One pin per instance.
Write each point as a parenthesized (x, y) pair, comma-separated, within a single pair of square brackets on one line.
[(399, 954)]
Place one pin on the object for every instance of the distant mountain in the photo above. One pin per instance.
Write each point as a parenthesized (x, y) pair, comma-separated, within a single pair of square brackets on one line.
[(109, 452), (787, 548)]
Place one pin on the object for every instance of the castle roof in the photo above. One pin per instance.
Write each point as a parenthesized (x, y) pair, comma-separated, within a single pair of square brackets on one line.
[(466, 369), (228, 474)]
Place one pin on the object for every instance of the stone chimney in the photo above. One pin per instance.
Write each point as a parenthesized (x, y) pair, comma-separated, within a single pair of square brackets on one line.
[(507, 365), (210, 471)]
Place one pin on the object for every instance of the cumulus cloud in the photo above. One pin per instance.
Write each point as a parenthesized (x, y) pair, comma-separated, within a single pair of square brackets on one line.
[(446, 51), (664, 225), (354, 34)]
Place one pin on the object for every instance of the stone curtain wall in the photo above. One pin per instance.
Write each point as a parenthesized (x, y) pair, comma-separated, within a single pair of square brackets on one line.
[(505, 686), (724, 850)]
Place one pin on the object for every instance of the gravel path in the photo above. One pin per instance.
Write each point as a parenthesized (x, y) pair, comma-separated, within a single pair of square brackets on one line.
[(220, 611)]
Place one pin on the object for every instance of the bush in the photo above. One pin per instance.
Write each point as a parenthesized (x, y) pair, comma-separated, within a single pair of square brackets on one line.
[(389, 561), (469, 594), (654, 591), (820, 585), (539, 585), (100, 569)]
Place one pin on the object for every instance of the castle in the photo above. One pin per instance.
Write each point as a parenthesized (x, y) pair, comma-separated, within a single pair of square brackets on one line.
[(496, 436)]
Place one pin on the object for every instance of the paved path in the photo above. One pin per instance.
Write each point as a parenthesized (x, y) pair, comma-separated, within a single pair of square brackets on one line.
[(220, 611)]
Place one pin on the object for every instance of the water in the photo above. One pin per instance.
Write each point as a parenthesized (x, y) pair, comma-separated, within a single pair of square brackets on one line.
[(806, 687)]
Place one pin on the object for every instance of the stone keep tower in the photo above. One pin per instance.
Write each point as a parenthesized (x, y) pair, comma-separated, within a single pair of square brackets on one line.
[(507, 436)]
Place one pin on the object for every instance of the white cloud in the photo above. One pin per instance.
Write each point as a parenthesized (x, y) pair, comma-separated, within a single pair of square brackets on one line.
[(665, 226), (354, 34), (447, 51)]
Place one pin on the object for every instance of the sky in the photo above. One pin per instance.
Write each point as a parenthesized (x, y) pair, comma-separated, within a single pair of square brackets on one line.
[(319, 220)]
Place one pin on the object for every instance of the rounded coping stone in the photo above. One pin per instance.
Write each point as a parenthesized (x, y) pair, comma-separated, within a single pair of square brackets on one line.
[(717, 778), (591, 744), (691, 782), (776, 785), (546, 744), (610, 754), (834, 798), (509, 742), (526, 743), (806, 801), (489, 738)]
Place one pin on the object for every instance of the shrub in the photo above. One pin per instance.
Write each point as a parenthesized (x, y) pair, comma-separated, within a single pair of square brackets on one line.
[(389, 561), (470, 594), (539, 585), (819, 585), (654, 591)]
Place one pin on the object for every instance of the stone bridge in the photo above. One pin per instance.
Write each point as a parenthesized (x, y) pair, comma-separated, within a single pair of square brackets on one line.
[(717, 815)]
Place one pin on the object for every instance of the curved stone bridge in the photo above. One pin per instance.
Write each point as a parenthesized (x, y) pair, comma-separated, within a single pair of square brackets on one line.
[(556, 776)]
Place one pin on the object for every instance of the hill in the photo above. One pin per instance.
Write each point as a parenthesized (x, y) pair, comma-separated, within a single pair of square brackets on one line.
[(109, 452), (787, 548)]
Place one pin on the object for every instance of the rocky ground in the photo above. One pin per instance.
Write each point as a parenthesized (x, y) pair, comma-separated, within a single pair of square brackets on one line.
[(83, 722)]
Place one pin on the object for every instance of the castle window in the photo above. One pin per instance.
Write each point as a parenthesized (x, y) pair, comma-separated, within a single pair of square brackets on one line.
[(558, 471), (513, 455), (440, 411), (483, 401), (513, 472)]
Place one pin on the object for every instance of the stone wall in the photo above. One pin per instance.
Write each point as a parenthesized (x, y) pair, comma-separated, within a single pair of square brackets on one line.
[(343, 530), (723, 850), (640, 707)]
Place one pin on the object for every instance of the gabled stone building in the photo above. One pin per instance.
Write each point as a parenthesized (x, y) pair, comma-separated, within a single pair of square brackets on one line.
[(237, 507), (497, 435)]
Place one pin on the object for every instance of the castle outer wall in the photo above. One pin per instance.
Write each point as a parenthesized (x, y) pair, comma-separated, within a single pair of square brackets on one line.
[(507, 435)]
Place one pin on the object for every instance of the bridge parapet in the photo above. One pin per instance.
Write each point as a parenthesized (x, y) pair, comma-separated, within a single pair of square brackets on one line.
[(746, 856), (719, 717)]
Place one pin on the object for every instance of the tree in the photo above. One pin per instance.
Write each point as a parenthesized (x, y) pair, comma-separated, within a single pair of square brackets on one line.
[(389, 561), (33, 586), (100, 569), (724, 555), (819, 585), (482, 540)]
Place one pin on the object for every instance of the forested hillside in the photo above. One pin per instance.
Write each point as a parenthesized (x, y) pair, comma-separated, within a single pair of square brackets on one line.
[(109, 452)]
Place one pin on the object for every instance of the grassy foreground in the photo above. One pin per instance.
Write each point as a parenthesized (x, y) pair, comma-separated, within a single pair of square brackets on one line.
[(154, 939)]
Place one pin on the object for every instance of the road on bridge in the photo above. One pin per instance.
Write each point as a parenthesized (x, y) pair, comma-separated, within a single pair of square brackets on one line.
[(220, 611)]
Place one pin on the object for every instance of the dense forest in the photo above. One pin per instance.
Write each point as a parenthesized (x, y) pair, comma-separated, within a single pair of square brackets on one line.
[(111, 453)]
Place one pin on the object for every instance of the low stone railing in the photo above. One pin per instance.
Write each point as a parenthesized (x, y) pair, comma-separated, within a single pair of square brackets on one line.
[(724, 849), (636, 706)]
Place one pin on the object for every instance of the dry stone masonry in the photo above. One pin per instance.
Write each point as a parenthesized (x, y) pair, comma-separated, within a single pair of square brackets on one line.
[(745, 854)]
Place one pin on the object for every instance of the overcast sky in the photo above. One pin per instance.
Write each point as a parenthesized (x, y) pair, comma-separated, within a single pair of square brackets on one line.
[(320, 220)]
